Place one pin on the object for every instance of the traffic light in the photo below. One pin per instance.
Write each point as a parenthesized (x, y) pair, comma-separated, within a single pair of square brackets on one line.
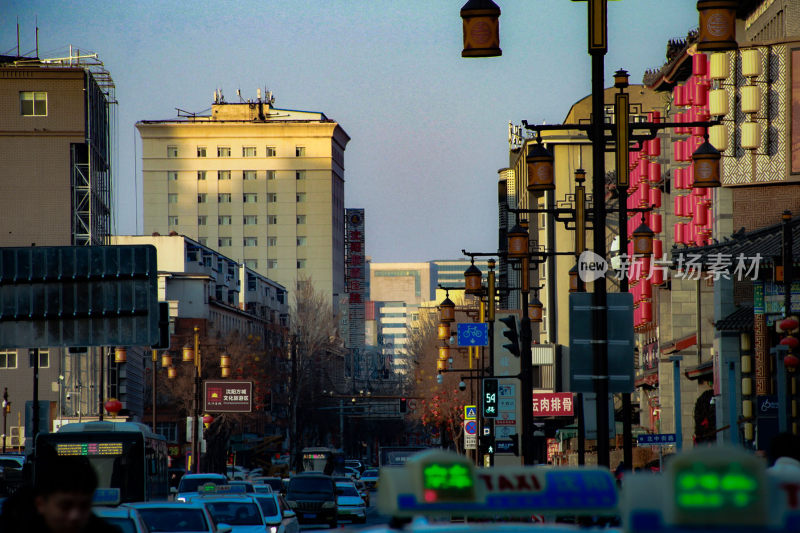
[(163, 327), (511, 334), (514, 443), (403, 405), (490, 398), (486, 445)]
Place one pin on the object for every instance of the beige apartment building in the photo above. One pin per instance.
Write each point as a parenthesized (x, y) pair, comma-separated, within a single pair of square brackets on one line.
[(262, 185)]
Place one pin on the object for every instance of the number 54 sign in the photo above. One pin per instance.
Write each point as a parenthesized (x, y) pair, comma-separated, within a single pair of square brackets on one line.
[(490, 398)]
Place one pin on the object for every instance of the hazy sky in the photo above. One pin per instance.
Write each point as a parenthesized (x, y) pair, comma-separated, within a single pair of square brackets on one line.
[(428, 127)]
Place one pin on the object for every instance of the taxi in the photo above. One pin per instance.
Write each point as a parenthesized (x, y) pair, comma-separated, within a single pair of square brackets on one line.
[(716, 489)]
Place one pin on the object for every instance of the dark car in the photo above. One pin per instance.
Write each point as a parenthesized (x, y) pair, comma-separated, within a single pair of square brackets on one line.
[(312, 497)]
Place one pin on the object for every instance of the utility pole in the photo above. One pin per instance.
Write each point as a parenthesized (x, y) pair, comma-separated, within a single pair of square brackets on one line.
[(6, 407)]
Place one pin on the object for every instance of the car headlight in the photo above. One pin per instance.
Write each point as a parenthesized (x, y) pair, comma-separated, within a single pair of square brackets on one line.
[(273, 529), (292, 504), (329, 505), (180, 499)]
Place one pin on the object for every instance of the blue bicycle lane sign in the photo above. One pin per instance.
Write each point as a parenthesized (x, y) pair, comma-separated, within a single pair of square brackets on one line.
[(473, 334)]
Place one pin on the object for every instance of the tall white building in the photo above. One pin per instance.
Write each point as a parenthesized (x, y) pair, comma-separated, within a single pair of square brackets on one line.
[(262, 185)]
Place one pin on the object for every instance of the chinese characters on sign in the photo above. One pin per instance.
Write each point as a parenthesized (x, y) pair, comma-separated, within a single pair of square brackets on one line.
[(228, 396), (689, 266), (355, 275), (552, 404), (656, 440)]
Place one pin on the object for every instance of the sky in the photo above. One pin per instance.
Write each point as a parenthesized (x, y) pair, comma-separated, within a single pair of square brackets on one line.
[(428, 128)]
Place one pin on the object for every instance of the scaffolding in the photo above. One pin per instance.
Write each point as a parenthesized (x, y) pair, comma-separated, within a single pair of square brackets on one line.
[(90, 161)]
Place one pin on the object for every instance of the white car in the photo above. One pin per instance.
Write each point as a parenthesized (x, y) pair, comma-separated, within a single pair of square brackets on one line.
[(370, 478), (277, 515), (350, 504), (126, 519), (241, 513), (176, 517)]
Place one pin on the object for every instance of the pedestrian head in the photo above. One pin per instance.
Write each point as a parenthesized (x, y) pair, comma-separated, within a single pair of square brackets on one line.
[(64, 489)]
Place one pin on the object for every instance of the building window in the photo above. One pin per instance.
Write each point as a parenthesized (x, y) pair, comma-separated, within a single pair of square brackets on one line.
[(201, 175), (271, 151), (250, 197), (172, 151), (223, 151), (270, 174), (251, 241), (301, 263), (300, 151), (224, 198), (272, 219), (301, 219), (203, 240), (201, 151), (172, 198), (224, 241), (172, 175), (224, 220), (202, 220), (272, 263), (272, 197), (249, 175), (250, 220), (248, 151), (301, 197), (223, 174), (272, 241), (44, 359), (301, 241), (201, 198), (8, 359), (173, 221), (299, 174), (33, 103), (251, 263)]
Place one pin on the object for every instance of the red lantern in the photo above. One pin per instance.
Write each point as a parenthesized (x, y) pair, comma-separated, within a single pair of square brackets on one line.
[(208, 420), (658, 276), (647, 311), (699, 65), (679, 233), (700, 215), (658, 248), (655, 198), (679, 206), (791, 342), (791, 361), (788, 324), (113, 406)]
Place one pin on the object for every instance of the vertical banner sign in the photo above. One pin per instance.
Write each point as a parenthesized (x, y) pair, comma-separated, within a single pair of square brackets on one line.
[(622, 112), (355, 276), (490, 398)]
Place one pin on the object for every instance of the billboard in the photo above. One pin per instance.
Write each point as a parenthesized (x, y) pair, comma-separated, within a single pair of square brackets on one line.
[(355, 276), (228, 396)]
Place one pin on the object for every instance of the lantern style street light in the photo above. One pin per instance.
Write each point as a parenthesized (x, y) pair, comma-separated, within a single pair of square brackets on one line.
[(540, 168), (536, 310), (517, 242), (643, 240), (472, 280), (481, 29), (447, 310), (706, 162), (717, 25)]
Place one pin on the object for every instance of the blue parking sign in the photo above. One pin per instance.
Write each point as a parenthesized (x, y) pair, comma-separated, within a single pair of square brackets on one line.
[(473, 334)]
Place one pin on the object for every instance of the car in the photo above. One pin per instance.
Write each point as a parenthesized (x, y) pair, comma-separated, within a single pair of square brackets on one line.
[(354, 463), (349, 503), (352, 472), (241, 512), (277, 515), (262, 489), (313, 497), (126, 519), (362, 490), (275, 482), (237, 472), (248, 486), (190, 483), (370, 478), (177, 517)]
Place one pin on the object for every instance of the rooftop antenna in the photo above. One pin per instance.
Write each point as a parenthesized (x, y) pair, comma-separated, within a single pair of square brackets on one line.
[(37, 36), (17, 36)]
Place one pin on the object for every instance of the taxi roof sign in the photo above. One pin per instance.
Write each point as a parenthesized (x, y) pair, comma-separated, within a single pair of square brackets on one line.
[(106, 496), (717, 488), (213, 488), (439, 483)]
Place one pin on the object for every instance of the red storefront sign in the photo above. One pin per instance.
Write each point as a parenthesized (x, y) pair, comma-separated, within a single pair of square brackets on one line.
[(553, 404)]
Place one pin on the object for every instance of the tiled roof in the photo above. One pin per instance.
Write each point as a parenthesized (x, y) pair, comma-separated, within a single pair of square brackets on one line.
[(739, 320), (765, 241)]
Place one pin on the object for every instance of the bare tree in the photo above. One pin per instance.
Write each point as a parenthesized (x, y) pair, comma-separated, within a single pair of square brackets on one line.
[(314, 327), (442, 403)]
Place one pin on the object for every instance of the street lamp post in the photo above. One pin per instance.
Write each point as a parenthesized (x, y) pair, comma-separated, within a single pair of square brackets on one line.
[(6, 407)]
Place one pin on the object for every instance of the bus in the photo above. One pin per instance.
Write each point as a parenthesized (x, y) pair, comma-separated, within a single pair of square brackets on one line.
[(127, 456), (327, 460)]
